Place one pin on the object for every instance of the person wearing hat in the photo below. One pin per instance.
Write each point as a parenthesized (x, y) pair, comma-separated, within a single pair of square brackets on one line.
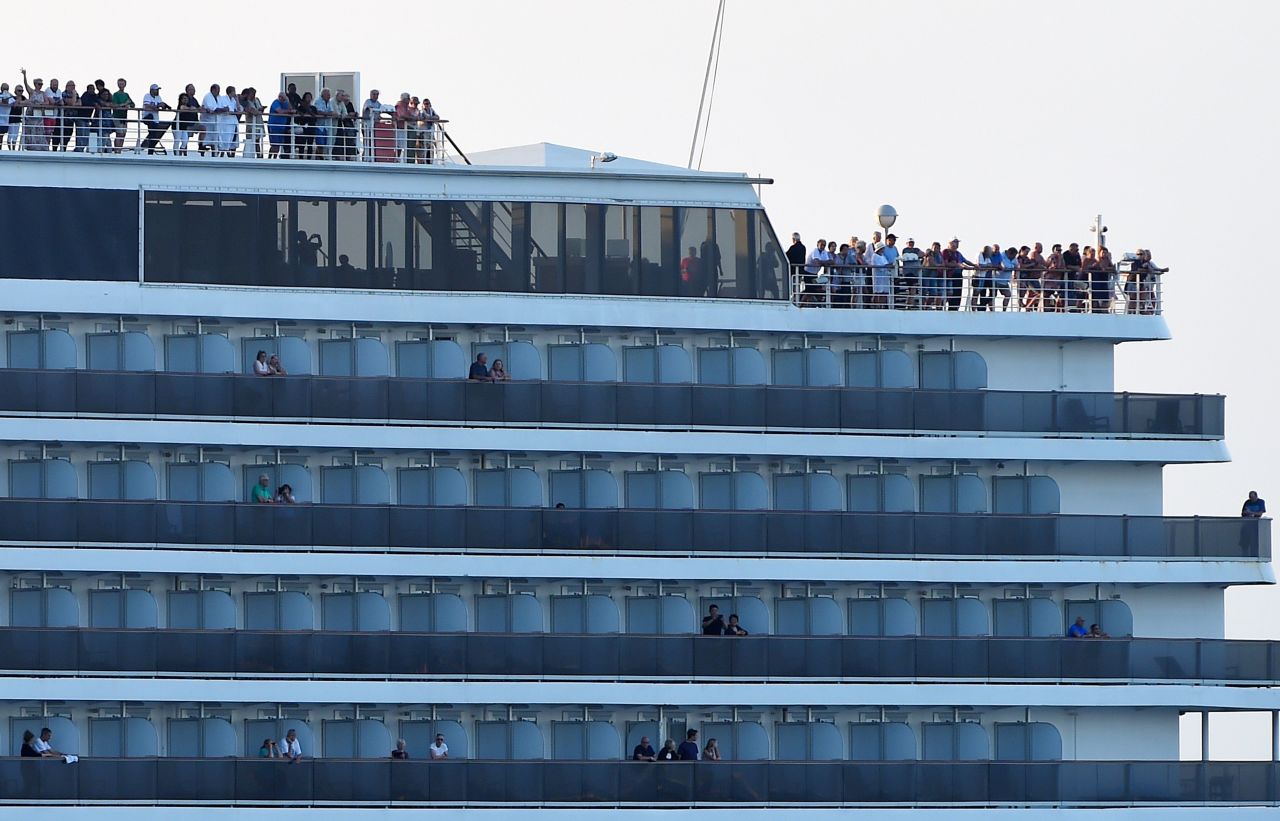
[(881, 275), (152, 105)]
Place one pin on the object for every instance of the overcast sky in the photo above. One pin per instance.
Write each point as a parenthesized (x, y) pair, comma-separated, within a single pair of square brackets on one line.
[(994, 120)]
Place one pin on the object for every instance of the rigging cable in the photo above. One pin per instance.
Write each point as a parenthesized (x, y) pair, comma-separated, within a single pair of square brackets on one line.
[(712, 53), (715, 75)]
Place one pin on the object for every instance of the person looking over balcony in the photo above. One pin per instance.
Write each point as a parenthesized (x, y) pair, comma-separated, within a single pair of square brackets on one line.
[(644, 751), (480, 370), (499, 372), (689, 747), (1002, 279), (290, 748), (1077, 630), (816, 272), (326, 123), (955, 264), (260, 366), (403, 115), (881, 275), (1095, 632), (268, 749), (796, 256), (734, 628), (279, 126), (369, 114), (400, 753), (713, 622), (121, 102), (274, 365), (1054, 278), (35, 137), (213, 107), (284, 495), (28, 745), (910, 260), (711, 752), (1103, 281), (1253, 507), (438, 749), (935, 283), (842, 277), (261, 493), (668, 751), (44, 745), (345, 147), (252, 108), (304, 141), (152, 105), (1073, 262)]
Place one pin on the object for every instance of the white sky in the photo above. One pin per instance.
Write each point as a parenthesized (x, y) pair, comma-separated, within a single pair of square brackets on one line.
[(996, 120)]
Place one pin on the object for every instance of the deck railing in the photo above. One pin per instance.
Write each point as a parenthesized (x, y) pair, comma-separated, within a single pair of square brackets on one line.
[(381, 137), (382, 783), (955, 288), (407, 655), (409, 528)]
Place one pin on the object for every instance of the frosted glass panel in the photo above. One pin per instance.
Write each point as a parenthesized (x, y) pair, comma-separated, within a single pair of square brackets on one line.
[(788, 367), (1046, 742), (861, 369), (184, 482), (602, 489), (713, 366), (642, 489), (106, 480), (139, 481), (564, 363), (568, 740), (789, 491), (526, 614), (337, 357), (1042, 495), (139, 354), (372, 486), (217, 354), (896, 370), (372, 358), (791, 616), (184, 738), (824, 742), (1012, 617), (525, 488), (47, 607), (971, 618), (970, 371), (59, 479), (337, 612), (642, 615), (122, 737), (296, 612), (432, 486), (751, 492), (433, 613), (675, 367), (824, 491), (566, 488), (526, 740), (717, 491), (640, 365), (748, 367), (431, 359), (823, 367), (824, 617), (24, 349), (793, 741), (1115, 618), (337, 485), (1045, 618), (140, 610), (971, 494), (603, 743), (676, 489), (935, 370), (284, 610), (181, 355)]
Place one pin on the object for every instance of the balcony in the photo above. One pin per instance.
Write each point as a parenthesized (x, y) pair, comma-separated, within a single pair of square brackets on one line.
[(318, 782), (405, 528), (610, 405), (613, 657)]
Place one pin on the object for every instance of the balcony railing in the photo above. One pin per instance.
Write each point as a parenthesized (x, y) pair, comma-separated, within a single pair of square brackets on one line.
[(1125, 290), (405, 528), (612, 783), (687, 658), (337, 137), (396, 400)]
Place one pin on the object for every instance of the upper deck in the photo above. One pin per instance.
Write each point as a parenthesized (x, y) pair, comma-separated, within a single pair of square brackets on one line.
[(488, 242)]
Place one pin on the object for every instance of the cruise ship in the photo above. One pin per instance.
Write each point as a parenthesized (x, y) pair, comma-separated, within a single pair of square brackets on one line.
[(907, 511)]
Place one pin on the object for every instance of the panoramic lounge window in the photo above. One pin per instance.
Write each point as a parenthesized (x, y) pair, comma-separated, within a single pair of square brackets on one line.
[(45, 251), (367, 243)]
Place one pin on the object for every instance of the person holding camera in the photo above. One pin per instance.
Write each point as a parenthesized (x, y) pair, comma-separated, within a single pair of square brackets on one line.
[(268, 749)]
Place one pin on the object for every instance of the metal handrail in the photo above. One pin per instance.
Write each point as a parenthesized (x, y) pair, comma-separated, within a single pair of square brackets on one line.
[(1123, 289), (380, 137)]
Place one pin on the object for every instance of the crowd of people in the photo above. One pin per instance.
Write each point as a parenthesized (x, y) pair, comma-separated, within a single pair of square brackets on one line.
[(221, 122), (687, 751), (881, 274)]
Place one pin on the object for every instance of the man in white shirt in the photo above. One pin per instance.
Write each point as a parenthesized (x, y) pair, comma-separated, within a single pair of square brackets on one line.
[(216, 110), (369, 115), (326, 125), (816, 272), (439, 750), (44, 746), (290, 748), (152, 105)]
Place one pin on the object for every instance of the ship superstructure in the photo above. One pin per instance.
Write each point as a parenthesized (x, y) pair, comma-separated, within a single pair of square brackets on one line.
[(907, 510)]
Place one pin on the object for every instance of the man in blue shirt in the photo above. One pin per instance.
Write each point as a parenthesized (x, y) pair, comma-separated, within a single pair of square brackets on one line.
[(1077, 630), (689, 747), (479, 370), (1253, 506)]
